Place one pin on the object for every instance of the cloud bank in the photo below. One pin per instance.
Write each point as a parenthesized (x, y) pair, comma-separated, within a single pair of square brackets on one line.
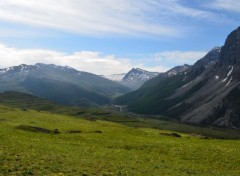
[(95, 62)]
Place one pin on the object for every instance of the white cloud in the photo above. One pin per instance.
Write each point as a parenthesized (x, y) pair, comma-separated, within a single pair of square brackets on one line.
[(175, 58), (89, 61), (96, 62), (103, 17), (228, 5)]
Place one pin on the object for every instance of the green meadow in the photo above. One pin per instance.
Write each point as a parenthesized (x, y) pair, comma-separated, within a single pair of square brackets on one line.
[(37, 142)]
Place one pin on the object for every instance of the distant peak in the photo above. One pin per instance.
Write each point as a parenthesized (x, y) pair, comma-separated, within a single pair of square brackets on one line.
[(40, 64), (44, 65), (139, 69)]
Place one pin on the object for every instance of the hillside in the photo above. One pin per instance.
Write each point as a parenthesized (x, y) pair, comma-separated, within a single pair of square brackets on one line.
[(26, 102), (61, 84), (151, 97), (47, 143), (203, 94)]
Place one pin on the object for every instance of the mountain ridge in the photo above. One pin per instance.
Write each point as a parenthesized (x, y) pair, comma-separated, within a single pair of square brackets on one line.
[(206, 93), (60, 83)]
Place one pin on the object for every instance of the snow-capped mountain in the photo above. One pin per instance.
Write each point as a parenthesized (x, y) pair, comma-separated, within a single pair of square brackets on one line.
[(134, 78), (137, 74), (21, 68), (24, 69), (62, 84)]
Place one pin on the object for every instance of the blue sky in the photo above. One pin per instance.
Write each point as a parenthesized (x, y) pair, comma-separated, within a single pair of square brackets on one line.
[(112, 36)]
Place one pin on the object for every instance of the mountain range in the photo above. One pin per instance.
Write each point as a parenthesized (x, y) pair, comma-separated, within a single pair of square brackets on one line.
[(61, 84), (136, 77), (206, 93)]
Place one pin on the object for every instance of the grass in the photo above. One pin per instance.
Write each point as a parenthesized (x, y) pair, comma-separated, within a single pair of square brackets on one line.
[(28, 102), (106, 148), (38, 137)]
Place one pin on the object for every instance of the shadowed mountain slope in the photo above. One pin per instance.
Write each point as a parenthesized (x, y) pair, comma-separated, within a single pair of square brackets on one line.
[(61, 84), (206, 93)]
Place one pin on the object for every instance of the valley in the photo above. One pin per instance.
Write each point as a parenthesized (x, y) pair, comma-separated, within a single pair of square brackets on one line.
[(119, 88)]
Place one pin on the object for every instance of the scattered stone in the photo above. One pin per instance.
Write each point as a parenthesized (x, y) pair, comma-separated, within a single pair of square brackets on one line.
[(37, 129), (55, 131), (75, 131), (171, 134)]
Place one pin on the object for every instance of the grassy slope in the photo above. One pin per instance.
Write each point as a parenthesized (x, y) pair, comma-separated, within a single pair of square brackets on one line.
[(118, 150), (121, 148), (25, 102)]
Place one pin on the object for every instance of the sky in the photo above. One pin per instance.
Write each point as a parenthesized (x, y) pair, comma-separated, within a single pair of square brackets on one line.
[(112, 36)]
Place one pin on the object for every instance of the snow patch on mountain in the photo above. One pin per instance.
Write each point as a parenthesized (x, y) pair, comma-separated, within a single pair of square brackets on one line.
[(230, 72), (178, 69), (137, 74), (134, 78), (229, 81)]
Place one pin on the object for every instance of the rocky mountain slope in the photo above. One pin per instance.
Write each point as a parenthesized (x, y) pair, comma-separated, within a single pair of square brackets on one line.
[(206, 93), (176, 70), (168, 74), (137, 77), (61, 84), (134, 78)]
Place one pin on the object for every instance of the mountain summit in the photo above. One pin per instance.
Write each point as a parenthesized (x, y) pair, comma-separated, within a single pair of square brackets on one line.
[(134, 78)]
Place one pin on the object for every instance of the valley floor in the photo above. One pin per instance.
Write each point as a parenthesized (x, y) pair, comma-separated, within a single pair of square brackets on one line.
[(66, 145)]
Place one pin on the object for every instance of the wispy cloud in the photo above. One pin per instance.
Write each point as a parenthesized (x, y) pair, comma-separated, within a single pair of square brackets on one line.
[(96, 62), (228, 5), (169, 59), (179, 57), (103, 17), (85, 16)]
